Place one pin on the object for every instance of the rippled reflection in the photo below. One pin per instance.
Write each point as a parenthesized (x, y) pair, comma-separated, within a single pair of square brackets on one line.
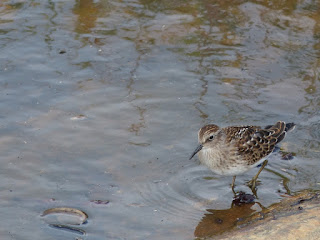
[(215, 222)]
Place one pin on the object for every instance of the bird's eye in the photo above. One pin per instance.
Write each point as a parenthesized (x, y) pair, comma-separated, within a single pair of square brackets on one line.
[(211, 137)]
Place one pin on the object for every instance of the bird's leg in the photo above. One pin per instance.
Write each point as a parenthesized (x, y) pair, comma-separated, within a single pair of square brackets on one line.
[(232, 184), (252, 183)]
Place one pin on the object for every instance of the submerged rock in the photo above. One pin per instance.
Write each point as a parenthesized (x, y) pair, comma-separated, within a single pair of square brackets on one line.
[(296, 217), (64, 215)]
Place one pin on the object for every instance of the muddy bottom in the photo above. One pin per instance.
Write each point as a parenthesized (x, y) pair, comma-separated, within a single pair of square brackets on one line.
[(295, 217)]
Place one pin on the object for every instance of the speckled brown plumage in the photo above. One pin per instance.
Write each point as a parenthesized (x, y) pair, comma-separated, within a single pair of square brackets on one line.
[(236, 149), (253, 142)]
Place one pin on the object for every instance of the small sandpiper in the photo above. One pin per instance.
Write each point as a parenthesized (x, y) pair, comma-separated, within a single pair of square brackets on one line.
[(236, 149)]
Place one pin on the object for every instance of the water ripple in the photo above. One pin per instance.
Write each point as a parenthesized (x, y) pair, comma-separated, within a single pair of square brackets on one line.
[(183, 194)]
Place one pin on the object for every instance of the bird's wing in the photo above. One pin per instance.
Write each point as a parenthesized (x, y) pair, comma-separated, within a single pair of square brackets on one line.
[(255, 143)]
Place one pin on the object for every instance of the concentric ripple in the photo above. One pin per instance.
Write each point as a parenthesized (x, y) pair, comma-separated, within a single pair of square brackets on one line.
[(193, 188), (184, 193)]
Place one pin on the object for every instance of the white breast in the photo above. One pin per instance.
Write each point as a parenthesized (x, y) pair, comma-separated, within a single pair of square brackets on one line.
[(223, 160)]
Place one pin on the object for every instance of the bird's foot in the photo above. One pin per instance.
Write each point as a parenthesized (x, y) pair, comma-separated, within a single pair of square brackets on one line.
[(252, 184), (243, 198)]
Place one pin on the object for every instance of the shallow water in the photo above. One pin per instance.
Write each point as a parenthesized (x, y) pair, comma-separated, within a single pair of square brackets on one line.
[(102, 100)]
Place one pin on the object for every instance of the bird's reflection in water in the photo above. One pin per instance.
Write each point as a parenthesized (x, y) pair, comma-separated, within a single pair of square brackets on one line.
[(216, 222)]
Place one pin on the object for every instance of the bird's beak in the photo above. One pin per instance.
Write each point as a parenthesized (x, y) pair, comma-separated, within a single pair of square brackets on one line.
[(196, 151)]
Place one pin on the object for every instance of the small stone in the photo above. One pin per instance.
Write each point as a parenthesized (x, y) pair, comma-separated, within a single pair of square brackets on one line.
[(103, 202)]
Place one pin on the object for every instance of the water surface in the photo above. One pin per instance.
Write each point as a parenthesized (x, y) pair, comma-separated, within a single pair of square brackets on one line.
[(102, 100)]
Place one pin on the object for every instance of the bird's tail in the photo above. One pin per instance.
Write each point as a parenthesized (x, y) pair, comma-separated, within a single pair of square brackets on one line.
[(290, 127), (280, 129)]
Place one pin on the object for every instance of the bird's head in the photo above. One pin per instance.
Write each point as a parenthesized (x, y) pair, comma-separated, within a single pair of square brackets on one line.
[(206, 135)]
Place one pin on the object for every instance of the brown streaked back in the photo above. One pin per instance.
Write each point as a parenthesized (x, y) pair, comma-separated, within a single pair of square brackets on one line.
[(255, 143)]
